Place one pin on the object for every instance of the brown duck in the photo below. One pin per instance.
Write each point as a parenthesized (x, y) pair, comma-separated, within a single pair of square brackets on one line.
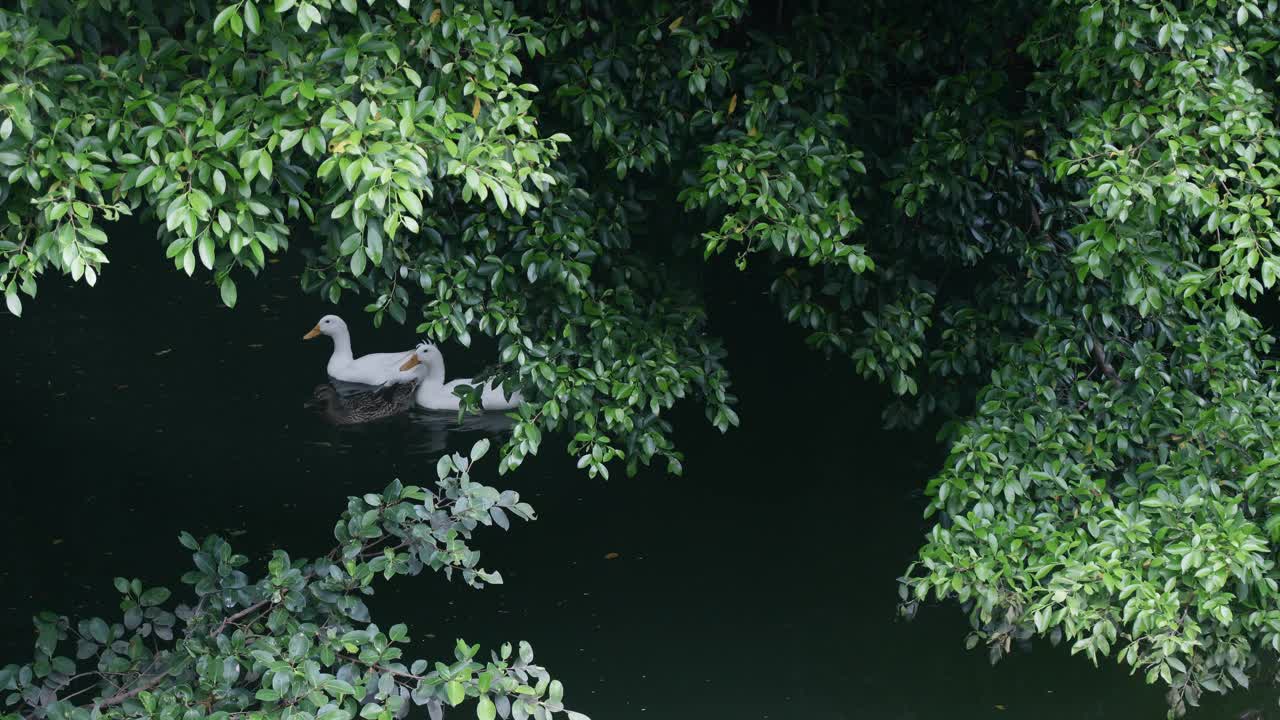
[(362, 406)]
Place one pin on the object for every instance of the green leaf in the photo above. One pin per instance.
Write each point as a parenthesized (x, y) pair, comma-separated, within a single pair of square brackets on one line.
[(227, 288), (485, 709), (146, 176), (1137, 66), (99, 630), (206, 251), (411, 203), (223, 17), (12, 301), (154, 596), (338, 687), (455, 692), (251, 19)]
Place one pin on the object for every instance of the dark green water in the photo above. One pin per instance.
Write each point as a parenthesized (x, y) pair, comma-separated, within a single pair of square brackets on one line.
[(760, 585)]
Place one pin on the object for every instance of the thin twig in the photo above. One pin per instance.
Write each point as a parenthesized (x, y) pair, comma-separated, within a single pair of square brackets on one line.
[(1100, 359), (232, 618), (123, 696)]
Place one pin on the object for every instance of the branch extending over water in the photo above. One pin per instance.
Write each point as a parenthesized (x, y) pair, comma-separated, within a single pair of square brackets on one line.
[(300, 644)]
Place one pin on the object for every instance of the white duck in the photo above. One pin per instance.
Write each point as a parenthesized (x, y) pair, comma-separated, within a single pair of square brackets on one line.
[(434, 393), (371, 369)]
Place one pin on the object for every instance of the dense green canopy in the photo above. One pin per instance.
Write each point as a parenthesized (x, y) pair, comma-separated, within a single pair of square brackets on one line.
[(1046, 221)]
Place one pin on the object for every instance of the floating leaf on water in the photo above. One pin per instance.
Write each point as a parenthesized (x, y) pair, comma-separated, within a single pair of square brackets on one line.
[(611, 556)]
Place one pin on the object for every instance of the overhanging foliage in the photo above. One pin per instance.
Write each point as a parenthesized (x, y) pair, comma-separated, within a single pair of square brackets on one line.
[(1044, 220)]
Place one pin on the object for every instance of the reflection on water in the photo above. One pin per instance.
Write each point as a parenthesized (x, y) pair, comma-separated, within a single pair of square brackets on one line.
[(360, 410), (492, 424)]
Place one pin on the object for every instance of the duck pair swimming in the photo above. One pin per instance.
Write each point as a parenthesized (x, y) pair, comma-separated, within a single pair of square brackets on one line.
[(424, 366)]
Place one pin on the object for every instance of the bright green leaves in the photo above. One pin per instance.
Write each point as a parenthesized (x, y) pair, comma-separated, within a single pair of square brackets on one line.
[(426, 175), (223, 174), (1176, 145), (1058, 229), (12, 301), (1164, 563), (300, 638), (788, 194), (252, 20), (225, 18), (52, 176), (227, 289)]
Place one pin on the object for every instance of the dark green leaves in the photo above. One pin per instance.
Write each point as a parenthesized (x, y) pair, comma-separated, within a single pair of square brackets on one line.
[(99, 631), (1044, 217), (300, 636), (154, 596)]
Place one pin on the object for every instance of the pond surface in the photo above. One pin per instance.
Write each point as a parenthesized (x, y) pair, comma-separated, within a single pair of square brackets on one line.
[(759, 585)]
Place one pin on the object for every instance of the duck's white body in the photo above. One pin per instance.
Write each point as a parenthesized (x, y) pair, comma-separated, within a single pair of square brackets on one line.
[(434, 393), (371, 369)]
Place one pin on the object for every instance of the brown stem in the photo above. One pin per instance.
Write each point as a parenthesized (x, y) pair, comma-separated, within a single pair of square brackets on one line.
[(123, 696), (232, 618), (1100, 359)]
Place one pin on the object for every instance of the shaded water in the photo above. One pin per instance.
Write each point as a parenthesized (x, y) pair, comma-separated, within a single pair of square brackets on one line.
[(760, 585)]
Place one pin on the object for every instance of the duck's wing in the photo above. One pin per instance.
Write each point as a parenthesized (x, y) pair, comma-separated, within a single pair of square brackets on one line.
[(378, 368), (385, 358), (399, 395)]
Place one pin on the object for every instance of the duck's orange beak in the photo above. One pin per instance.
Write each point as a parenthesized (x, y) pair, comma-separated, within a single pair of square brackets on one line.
[(411, 363), (314, 332)]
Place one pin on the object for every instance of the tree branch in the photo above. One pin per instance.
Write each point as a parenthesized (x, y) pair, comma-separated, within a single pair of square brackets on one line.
[(232, 618), (123, 696), (1100, 359)]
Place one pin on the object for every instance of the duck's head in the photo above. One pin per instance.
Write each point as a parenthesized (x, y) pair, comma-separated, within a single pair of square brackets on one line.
[(328, 325), (426, 355), (325, 395)]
